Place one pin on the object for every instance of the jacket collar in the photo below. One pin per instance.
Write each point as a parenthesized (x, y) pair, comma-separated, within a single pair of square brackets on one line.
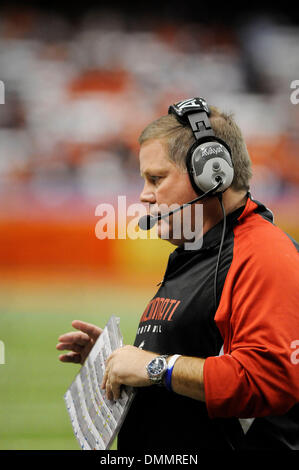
[(213, 236)]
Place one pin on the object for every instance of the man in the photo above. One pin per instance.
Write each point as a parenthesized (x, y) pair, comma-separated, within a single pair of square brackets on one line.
[(229, 379)]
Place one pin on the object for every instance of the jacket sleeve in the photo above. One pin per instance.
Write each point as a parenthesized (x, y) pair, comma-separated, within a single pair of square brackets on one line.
[(258, 317)]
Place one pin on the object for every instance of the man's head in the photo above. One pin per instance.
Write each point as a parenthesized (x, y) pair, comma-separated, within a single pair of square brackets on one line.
[(164, 145), (178, 138)]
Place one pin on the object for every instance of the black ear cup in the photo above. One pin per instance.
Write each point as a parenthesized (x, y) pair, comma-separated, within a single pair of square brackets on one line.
[(208, 163)]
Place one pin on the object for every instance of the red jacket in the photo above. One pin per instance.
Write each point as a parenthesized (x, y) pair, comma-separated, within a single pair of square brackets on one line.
[(258, 318)]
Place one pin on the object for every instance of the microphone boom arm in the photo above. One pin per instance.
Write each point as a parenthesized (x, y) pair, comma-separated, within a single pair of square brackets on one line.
[(148, 221), (159, 216)]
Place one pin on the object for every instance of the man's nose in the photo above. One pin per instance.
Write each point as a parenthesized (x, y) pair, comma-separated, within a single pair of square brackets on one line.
[(147, 195)]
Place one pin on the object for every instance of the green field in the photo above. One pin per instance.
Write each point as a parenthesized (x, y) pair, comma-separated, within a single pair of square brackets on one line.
[(33, 380)]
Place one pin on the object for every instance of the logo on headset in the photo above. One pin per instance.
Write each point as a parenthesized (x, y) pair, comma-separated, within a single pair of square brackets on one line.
[(191, 104), (211, 151)]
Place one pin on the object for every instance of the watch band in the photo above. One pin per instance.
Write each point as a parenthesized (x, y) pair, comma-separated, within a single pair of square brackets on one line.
[(169, 370)]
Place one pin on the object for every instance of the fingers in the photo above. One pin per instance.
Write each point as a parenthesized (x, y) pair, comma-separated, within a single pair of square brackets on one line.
[(115, 388), (91, 330), (70, 347), (109, 393), (111, 385), (74, 337), (78, 342), (104, 381), (112, 390), (70, 357)]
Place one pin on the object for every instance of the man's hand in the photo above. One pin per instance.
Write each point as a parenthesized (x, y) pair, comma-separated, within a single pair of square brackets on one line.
[(126, 366), (79, 343)]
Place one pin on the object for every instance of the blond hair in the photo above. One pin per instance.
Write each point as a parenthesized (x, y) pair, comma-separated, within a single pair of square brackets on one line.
[(178, 139)]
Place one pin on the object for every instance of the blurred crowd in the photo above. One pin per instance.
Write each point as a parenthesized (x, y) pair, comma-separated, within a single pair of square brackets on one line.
[(77, 95)]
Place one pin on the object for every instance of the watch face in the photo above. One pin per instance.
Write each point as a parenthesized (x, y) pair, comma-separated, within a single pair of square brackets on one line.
[(156, 366)]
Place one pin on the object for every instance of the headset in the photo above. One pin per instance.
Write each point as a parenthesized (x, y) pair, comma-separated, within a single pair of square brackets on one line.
[(209, 159)]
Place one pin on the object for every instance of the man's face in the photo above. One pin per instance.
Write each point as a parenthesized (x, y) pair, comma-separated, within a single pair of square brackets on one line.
[(164, 185)]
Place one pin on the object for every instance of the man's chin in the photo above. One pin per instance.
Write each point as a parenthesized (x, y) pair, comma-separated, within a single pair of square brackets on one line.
[(167, 237)]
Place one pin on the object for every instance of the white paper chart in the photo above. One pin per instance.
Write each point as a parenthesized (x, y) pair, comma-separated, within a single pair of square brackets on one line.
[(96, 420)]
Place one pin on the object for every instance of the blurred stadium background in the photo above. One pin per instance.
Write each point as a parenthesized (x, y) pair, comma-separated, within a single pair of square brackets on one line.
[(80, 85)]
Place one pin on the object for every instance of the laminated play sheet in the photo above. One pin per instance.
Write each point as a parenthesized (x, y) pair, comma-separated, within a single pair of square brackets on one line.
[(95, 419)]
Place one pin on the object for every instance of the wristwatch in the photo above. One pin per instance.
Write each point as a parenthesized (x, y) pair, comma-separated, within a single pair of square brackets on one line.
[(156, 369)]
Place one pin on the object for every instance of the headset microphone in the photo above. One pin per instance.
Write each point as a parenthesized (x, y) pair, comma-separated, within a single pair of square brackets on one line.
[(148, 221)]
